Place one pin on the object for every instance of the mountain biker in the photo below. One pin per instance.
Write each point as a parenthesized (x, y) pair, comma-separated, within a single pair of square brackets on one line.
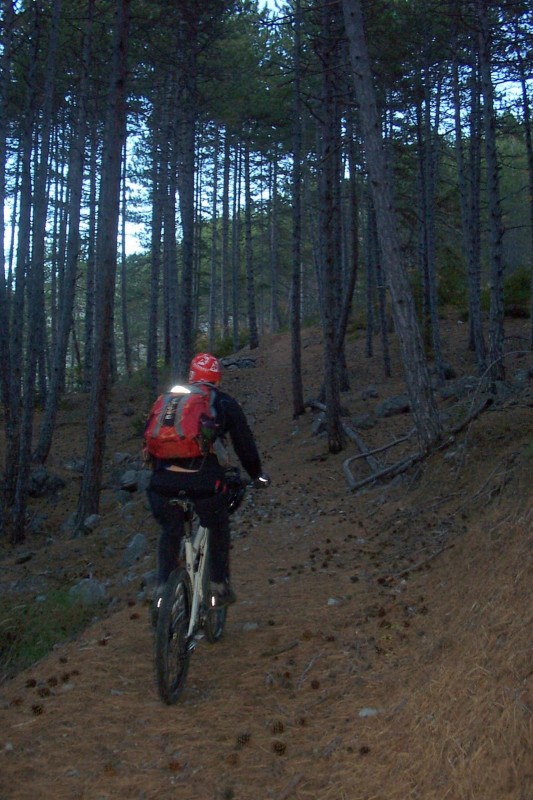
[(202, 478)]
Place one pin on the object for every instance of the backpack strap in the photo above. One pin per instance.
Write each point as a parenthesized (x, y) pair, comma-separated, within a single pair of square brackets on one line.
[(165, 400)]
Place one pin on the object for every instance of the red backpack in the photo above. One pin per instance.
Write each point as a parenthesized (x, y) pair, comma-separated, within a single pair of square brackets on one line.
[(182, 423)]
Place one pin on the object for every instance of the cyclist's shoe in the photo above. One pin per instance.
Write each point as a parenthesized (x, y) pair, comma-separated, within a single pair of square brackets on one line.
[(156, 603), (222, 594)]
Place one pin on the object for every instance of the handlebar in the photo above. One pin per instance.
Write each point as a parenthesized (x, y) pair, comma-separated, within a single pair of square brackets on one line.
[(237, 487)]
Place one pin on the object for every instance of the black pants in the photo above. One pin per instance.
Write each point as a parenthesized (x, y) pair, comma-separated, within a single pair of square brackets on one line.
[(211, 509)]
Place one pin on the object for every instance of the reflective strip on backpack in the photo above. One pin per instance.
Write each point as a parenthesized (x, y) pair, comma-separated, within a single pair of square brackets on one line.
[(167, 399)]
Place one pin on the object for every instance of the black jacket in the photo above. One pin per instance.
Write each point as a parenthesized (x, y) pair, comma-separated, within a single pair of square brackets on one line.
[(231, 421)]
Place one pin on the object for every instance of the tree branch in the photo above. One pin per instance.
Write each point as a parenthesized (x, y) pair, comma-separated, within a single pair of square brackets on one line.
[(373, 463), (403, 465)]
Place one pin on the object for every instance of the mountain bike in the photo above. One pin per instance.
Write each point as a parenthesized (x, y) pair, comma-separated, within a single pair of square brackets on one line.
[(187, 610)]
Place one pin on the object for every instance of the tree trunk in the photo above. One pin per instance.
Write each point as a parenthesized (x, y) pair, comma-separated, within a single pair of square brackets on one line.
[(68, 284), (470, 226), (370, 261), (155, 263), (170, 248), (186, 121), (8, 20), (427, 421), (328, 182), (124, 279), (250, 277), (35, 285), (381, 289), (352, 248), (428, 167), (274, 247), (213, 289), (106, 263), (7, 26), (15, 478), (236, 250), (298, 406), (496, 315), (225, 252), (529, 149), (88, 362)]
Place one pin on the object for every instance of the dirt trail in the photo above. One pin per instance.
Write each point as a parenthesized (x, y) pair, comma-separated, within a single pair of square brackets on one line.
[(379, 647)]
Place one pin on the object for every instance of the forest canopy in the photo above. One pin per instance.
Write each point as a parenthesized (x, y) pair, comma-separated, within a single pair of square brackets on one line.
[(359, 166)]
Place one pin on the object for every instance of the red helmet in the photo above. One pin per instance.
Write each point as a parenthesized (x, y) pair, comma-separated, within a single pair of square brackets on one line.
[(205, 367)]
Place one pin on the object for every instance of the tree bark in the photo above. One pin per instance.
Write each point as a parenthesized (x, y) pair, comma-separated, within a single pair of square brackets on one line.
[(352, 248), (213, 289), (88, 361), (35, 284), (427, 134), (225, 251), (7, 26), (529, 150), (469, 224), (274, 246), (298, 406), (106, 264), (15, 479), (496, 315), (186, 118), (427, 421), (126, 346), (68, 284), (236, 247), (328, 182), (155, 262), (250, 277)]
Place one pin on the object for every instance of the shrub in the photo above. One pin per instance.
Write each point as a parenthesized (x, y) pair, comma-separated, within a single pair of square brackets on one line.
[(29, 629), (223, 346)]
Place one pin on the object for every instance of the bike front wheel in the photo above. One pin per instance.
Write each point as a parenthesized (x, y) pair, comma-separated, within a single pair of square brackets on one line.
[(172, 652)]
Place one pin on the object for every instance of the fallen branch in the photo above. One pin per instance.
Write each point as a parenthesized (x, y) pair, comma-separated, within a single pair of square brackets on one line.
[(387, 446), (278, 650), (425, 561), (306, 670), (388, 472), (378, 472), (486, 403), (373, 463), (406, 464), (346, 464)]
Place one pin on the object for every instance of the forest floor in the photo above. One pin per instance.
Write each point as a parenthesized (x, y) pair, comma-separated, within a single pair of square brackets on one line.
[(381, 647)]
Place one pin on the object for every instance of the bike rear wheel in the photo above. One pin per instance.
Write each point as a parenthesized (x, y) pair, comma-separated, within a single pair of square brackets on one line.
[(172, 653), (215, 618)]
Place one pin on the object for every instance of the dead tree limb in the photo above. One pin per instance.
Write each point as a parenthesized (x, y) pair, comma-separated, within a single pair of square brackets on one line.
[(410, 461), (474, 414), (388, 472), (373, 463), (346, 464), (378, 472)]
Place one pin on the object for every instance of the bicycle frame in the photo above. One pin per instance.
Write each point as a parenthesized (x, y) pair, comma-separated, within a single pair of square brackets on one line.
[(194, 548), (195, 545), (187, 611)]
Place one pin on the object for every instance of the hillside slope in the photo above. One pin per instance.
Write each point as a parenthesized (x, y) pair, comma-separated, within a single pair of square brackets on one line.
[(381, 643)]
